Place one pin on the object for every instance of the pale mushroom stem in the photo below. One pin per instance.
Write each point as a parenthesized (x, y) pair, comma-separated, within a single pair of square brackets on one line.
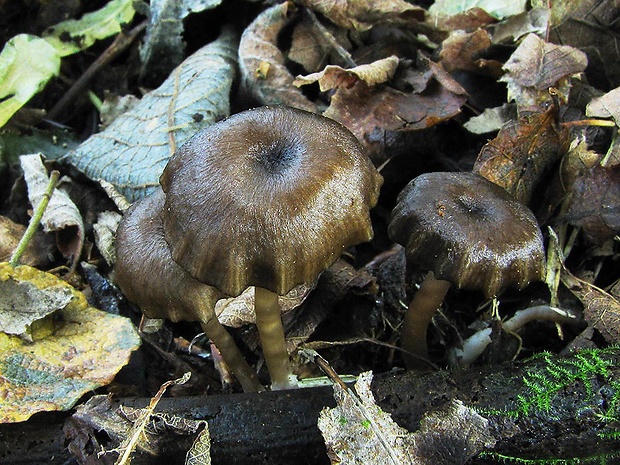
[(232, 355), (419, 315), (269, 323)]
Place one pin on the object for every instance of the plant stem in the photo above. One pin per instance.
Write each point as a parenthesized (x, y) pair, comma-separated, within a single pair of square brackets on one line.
[(35, 220), (269, 323)]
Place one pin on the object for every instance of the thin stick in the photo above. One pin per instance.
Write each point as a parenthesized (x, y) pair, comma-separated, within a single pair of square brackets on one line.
[(121, 42), (35, 220)]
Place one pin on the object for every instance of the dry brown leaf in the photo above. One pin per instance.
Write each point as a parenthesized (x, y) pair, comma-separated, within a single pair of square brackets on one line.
[(512, 29), (519, 158), (462, 50), (371, 112), (537, 65), (333, 77), (468, 20), (11, 233), (600, 309), (595, 203), (364, 14), (264, 74)]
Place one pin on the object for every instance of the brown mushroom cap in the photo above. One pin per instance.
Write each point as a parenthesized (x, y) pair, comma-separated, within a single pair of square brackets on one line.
[(148, 276), (268, 197), (468, 231)]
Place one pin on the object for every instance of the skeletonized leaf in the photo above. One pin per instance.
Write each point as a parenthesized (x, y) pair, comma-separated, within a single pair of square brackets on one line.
[(133, 151), (61, 213), (357, 431), (264, 75), (332, 76), (80, 350)]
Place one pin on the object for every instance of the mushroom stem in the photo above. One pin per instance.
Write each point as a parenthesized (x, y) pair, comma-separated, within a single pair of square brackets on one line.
[(232, 355), (269, 323), (419, 315)]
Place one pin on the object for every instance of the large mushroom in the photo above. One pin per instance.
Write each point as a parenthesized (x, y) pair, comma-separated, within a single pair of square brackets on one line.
[(149, 277), (269, 198), (467, 232)]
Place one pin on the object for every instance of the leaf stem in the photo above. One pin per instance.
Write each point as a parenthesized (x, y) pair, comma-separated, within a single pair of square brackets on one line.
[(35, 220)]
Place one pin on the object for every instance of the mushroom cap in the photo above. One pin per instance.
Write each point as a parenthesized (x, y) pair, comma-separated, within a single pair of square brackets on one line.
[(268, 197), (147, 274), (468, 231)]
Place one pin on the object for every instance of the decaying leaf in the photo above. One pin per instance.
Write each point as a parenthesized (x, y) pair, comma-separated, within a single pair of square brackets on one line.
[(364, 14), (537, 65), (606, 106), (104, 230), (600, 309), (357, 431), (519, 158), (535, 21), (22, 303), (10, 235), (334, 77), (491, 119), (595, 203), (163, 46), (589, 25), (371, 112), (263, 72), (61, 214), (238, 311), (463, 50), (498, 9), (80, 350), (132, 152)]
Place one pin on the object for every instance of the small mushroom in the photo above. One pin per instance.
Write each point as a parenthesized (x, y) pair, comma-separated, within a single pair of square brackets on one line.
[(269, 197), (150, 278), (468, 232)]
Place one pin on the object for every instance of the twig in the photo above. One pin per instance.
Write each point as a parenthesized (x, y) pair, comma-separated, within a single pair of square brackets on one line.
[(35, 220), (121, 42)]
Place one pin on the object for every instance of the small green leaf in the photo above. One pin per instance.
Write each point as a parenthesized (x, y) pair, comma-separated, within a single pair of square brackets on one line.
[(26, 64), (72, 36)]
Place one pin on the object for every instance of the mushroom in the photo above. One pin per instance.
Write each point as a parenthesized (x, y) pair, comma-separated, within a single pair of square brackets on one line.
[(149, 277), (468, 232), (269, 198)]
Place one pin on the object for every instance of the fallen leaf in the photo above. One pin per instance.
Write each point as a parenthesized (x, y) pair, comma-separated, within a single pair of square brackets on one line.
[(534, 21), (463, 51), (537, 65), (263, 72), (333, 77), (61, 215), (600, 309), (595, 203), (163, 47), (357, 431), (132, 152), (362, 15), (75, 35), (498, 9), (590, 25), (520, 156), (491, 119), (22, 303), (606, 106), (11, 233), (80, 350), (104, 231), (371, 112)]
